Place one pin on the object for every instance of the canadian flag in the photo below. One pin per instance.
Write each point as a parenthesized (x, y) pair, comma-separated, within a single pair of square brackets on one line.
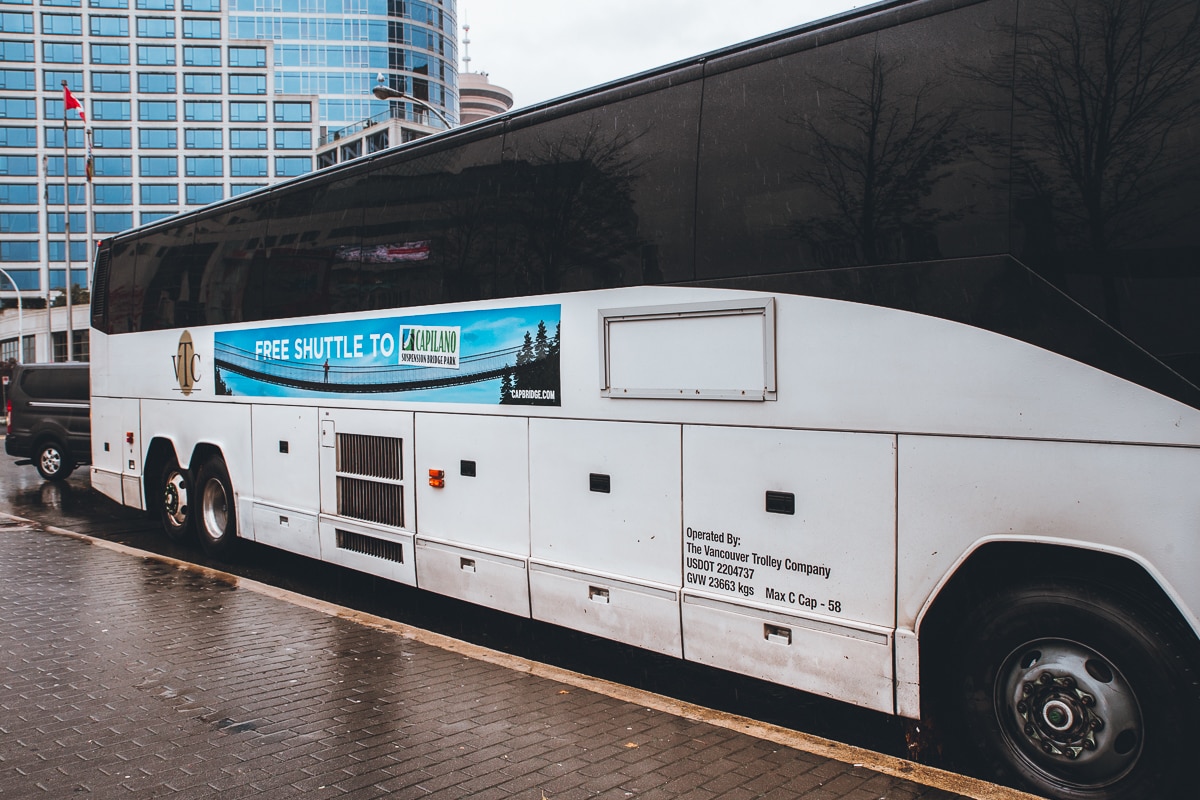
[(70, 102)]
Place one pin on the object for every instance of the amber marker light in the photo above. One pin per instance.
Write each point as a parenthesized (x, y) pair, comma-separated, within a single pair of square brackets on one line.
[(437, 478)]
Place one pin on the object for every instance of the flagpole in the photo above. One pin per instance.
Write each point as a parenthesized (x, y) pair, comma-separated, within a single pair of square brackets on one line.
[(90, 191), (67, 218), (49, 351)]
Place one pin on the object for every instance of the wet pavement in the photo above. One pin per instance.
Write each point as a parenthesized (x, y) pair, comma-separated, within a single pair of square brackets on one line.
[(128, 675)]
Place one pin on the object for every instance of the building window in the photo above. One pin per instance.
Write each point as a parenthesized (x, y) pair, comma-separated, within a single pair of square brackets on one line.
[(155, 28), (155, 216), (52, 80), (201, 5), (201, 56), (110, 54), (113, 194), (54, 166), (247, 57), (18, 222), (155, 5), (65, 3), (111, 138), (110, 110), (204, 167), (293, 140), (156, 55), (112, 222), (293, 112), (158, 167), (201, 194), (61, 53), (109, 82), (247, 139), (19, 51), (18, 194), (241, 188), (202, 29), (108, 3), (62, 25), (109, 26), (156, 82), (18, 109), (16, 22), (248, 166), (286, 166), (202, 83), (113, 166), (20, 251), (156, 110), (247, 84), (17, 165), (54, 137), (156, 138), (79, 339), (17, 80), (54, 194), (247, 112), (27, 137), (161, 194), (200, 111), (202, 139), (8, 348), (58, 251), (56, 222)]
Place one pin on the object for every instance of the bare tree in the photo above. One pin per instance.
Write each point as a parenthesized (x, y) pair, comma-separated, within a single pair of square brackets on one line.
[(875, 152)]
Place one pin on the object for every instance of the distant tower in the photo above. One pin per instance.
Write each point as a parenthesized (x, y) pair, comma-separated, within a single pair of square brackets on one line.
[(478, 98)]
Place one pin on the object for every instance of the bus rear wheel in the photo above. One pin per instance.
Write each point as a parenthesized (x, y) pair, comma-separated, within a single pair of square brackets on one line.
[(1074, 694), (216, 521)]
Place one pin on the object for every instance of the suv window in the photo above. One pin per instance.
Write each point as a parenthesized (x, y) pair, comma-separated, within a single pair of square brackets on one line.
[(60, 384)]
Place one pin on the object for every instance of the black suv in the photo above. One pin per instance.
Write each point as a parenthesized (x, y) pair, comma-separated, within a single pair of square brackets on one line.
[(48, 417)]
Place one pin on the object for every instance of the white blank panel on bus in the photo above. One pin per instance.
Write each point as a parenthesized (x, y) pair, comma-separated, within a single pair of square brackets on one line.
[(695, 351)]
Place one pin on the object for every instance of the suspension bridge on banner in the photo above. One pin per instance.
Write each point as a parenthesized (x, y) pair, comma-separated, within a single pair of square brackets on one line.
[(377, 379)]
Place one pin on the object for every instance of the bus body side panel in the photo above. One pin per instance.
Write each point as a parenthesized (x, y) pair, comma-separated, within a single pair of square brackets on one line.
[(605, 529), (367, 505), (1134, 501), (473, 529), (285, 443), (789, 541), (113, 418)]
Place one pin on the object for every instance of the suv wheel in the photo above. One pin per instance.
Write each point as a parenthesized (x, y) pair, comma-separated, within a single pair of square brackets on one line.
[(53, 462)]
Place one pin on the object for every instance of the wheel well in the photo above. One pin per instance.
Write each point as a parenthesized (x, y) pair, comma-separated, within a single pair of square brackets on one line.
[(162, 450), (1004, 563)]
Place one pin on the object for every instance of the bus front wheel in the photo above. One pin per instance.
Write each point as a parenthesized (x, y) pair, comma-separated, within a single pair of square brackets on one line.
[(174, 502), (217, 515), (1074, 694)]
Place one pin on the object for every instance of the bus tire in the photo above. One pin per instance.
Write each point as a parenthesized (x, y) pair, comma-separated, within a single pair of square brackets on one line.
[(216, 514), (174, 501), (1073, 693), (52, 461)]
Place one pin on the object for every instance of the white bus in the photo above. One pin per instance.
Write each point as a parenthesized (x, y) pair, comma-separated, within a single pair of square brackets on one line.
[(862, 358)]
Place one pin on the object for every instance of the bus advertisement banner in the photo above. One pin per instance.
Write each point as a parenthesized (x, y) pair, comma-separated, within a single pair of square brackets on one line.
[(499, 356)]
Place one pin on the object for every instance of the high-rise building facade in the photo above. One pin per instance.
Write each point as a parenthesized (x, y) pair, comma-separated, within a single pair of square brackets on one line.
[(188, 102)]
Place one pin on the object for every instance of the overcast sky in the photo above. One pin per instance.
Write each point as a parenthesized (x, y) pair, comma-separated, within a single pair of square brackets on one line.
[(541, 49)]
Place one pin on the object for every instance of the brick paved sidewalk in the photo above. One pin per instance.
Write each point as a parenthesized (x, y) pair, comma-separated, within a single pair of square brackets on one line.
[(123, 676)]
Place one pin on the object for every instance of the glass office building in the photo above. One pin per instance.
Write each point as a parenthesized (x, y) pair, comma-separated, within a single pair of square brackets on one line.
[(190, 102)]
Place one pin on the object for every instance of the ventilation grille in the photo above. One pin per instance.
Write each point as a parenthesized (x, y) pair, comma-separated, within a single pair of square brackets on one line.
[(371, 501), (370, 546), (376, 456)]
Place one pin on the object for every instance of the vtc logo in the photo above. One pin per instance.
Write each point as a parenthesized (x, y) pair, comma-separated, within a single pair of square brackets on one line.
[(186, 362)]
